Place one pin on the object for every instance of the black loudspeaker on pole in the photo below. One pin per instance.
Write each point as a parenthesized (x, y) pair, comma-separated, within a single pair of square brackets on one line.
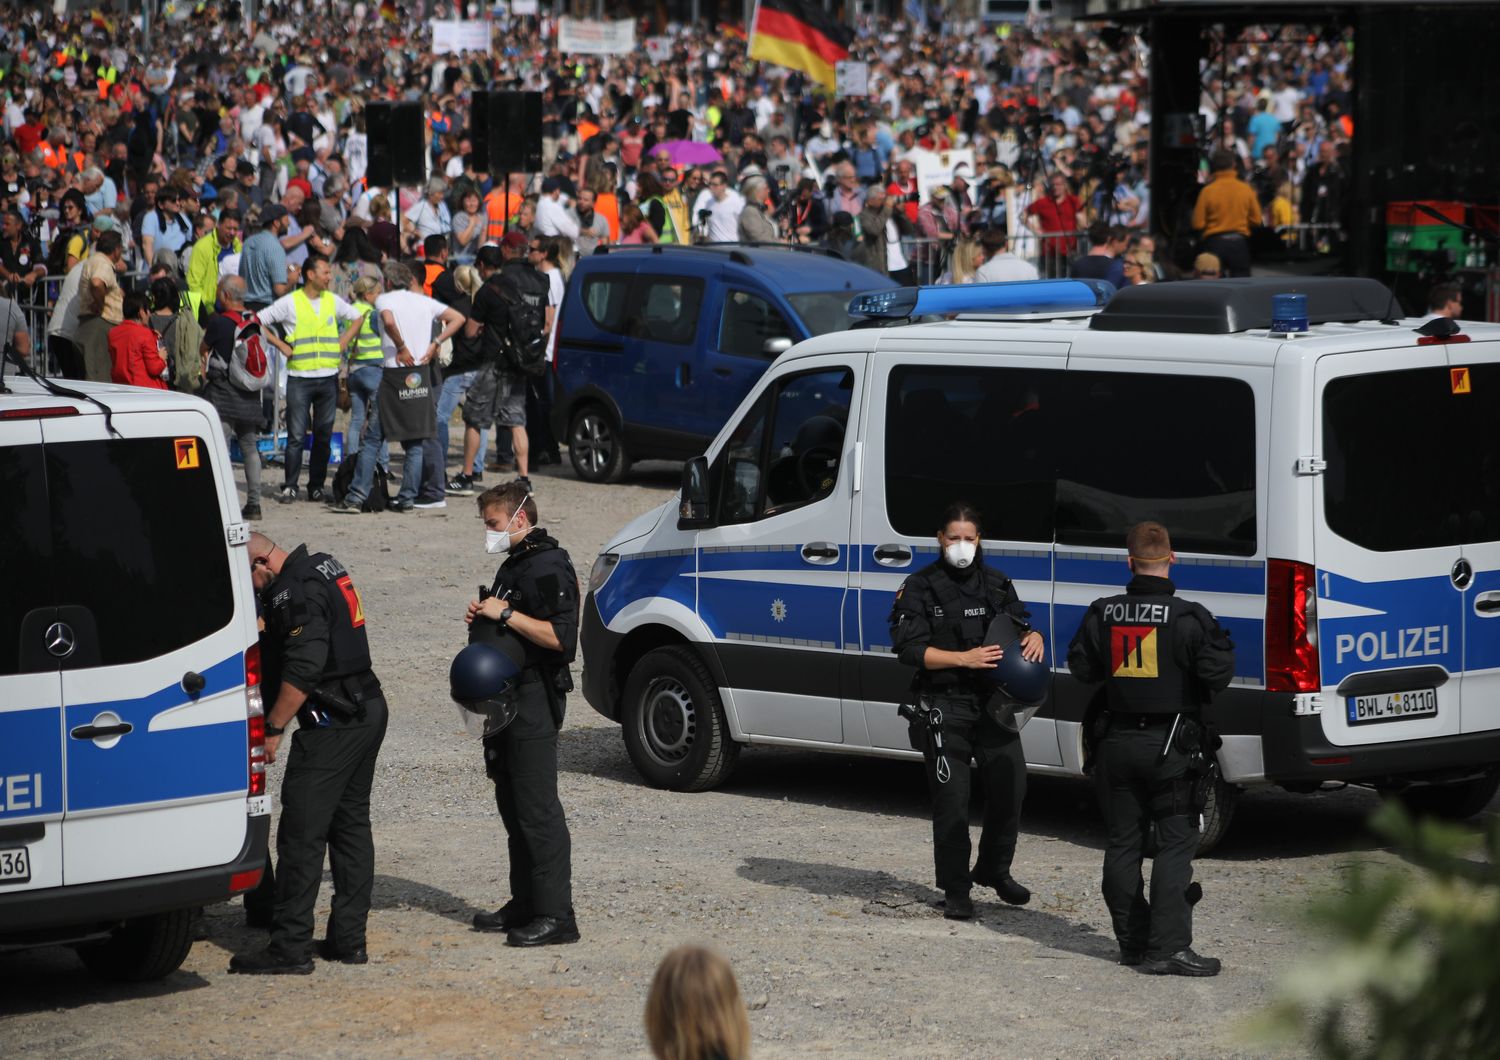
[(396, 147), (513, 132)]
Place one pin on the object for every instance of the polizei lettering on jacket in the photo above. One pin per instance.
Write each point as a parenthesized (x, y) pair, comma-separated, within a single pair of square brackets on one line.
[(1412, 643), (1130, 613)]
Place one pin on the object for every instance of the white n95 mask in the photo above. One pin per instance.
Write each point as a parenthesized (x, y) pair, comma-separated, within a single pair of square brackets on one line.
[(961, 553)]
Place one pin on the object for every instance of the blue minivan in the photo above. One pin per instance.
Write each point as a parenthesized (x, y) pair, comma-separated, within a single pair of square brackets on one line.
[(657, 345)]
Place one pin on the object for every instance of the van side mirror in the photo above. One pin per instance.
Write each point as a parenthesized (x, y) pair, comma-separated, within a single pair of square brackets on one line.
[(693, 512), (775, 347)]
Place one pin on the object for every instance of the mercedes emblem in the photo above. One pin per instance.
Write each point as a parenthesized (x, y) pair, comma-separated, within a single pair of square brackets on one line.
[(60, 640)]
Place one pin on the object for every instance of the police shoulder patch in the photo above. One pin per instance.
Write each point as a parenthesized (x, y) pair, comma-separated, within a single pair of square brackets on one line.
[(295, 631)]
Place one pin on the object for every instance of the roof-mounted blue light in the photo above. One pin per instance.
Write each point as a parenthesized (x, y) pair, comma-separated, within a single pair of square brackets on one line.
[(1288, 314), (1021, 298)]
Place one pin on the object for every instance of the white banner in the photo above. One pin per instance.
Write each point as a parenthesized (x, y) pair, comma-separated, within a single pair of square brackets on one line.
[(580, 36), (523, 7), (851, 79), (451, 36), (659, 49), (936, 167)]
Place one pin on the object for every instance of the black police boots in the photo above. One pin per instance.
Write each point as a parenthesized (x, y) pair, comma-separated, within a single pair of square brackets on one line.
[(264, 962), (1010, 892), (506, 918), (544, 931), (957, 905), (327, 951), (1183, 962)]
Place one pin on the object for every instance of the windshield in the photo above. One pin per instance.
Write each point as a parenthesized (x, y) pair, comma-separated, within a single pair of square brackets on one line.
[(823, 312)]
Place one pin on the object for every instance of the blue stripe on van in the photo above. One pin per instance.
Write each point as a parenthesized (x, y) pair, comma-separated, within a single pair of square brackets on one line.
[(649, 574), (31, 771), (1248, 578), (150, 766), (780, 557)]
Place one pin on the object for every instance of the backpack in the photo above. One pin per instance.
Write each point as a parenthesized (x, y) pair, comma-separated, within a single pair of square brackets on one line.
[(248, 367), (187, 350), (526, 339), (380, 494)]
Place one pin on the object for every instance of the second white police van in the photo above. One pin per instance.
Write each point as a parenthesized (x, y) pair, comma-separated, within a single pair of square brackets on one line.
[(1333, 496)]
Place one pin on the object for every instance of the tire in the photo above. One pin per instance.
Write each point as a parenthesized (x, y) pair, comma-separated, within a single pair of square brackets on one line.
[(595, 448), (1451, 802), (1218, 812), (150, 947), (674, 724)]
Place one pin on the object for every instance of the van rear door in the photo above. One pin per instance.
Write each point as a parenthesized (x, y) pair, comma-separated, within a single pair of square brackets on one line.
[(31, 740), (154, 695), (1388, 544), (1474, 385)]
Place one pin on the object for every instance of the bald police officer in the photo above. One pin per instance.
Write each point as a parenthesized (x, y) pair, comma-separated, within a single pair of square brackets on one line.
[(1161, 658), (316, 663)]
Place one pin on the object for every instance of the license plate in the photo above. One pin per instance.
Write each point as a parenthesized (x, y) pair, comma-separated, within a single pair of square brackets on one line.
[(15, 865), (1392, 706)]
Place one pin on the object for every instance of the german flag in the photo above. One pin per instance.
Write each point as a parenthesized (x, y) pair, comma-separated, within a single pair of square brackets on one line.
[(800, 35)]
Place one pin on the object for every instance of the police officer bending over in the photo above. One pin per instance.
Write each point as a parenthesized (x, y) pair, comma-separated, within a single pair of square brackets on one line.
[(316, 658), (938, 625), (1162, 658), (535, 595)]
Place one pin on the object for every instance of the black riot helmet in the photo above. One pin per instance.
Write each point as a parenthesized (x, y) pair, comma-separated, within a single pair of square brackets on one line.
[(1019, 680), (482, 678)]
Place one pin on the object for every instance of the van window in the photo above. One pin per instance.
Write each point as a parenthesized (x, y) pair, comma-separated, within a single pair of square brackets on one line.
[(983, 435), (747, 322), (665, 309), (1172, 448), (605, 299), (1389, 489), (1075, 457), (822, 312), (140, 543), (786, 452), (25, 571)]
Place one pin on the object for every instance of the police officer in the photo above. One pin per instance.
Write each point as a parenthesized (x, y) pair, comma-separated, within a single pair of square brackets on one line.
[(317, 657), (535, 595), (1161, 658), (938, 624)]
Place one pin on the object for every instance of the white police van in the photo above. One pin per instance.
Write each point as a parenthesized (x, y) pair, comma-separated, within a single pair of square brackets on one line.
[(1333, 496), (132, 745)]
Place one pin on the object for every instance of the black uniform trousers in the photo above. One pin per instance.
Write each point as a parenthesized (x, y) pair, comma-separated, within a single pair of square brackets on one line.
[(522, 761), (1002, 771), (325, 807), (1137, 786)]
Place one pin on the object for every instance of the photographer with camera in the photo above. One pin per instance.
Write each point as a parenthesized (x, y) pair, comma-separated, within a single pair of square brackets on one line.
[(939, 624)]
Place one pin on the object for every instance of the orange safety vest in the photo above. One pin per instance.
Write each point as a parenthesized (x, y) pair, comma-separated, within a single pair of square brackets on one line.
[(432, 272)]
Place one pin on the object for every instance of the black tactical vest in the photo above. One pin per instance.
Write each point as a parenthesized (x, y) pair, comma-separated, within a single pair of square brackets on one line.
[(1139, 636), (959, 616), (319, 574)]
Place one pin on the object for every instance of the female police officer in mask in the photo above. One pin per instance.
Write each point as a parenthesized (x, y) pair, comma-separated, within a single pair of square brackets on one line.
[(938, 626)]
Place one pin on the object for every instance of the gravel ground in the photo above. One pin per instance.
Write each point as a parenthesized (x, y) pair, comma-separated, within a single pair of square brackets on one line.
[(811, 872)]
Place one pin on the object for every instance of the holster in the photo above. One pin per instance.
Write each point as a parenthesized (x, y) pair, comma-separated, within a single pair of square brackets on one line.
[(341, 697)]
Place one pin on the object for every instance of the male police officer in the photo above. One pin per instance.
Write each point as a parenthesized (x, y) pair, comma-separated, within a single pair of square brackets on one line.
[(938, 626), (316, 651), (1162, 659), (535, 595)]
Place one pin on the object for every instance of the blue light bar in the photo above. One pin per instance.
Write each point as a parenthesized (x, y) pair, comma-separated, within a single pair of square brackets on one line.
[(1028, 297)]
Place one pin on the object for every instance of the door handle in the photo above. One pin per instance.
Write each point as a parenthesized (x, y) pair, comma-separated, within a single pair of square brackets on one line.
[(724, 372), (684, 374), (820, 552), (1487, 604), (100, 732), (892, 555)]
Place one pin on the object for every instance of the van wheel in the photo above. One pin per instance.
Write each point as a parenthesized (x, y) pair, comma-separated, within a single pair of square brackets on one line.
[(1451, 802), (675, 729), (594, 446), (149, 947), (1218, 812)]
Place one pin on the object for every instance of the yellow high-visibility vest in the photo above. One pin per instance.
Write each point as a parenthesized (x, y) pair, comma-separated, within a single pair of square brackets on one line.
[(367, 342), (315, 337)]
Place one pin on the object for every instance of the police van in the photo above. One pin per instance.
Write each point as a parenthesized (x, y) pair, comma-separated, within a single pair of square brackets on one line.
[(132, 742), (1331, 482)]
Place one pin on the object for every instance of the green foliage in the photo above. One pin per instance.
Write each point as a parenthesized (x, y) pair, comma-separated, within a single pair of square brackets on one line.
[(1414, 968)]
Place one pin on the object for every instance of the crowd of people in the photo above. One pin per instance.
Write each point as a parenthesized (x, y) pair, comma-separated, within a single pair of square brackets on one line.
[(231, 149)]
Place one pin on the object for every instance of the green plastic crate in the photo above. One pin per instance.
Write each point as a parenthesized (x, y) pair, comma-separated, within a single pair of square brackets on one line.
[(1423, 237)]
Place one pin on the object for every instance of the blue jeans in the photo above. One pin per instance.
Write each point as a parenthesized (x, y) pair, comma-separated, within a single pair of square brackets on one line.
[(364, 384), (454, 387), (369, 452), (315, 400)]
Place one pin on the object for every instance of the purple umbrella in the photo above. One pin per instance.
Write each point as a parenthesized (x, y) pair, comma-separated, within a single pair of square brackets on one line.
[(688, 152)]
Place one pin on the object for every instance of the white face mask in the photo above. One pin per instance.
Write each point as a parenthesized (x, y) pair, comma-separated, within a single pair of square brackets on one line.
[(961, 553), (497, 542)]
